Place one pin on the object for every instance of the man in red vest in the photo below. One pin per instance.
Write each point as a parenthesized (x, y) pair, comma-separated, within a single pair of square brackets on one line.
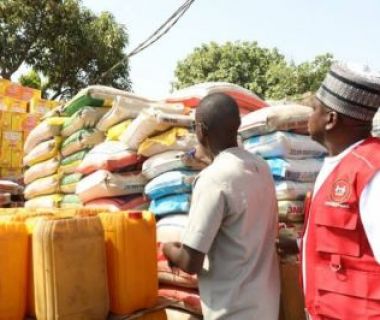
[(341, 243), (340, 248)]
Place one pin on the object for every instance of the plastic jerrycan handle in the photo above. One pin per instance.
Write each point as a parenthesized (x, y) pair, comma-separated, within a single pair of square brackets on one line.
[(135, 214)]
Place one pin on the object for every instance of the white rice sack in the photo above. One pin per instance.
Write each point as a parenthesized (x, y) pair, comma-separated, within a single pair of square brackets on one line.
[(178, 139), (291, 211), (191, 96), (291, 190), (122, 109), (284, 145), (50, 201), (41, 170), (46, 130), (81, 140), (43, 151), (285, 117), (144, 126), (111, 156), (174, 314), (94, 96), (171, 228), (41, 187), (104, 184), (305, 170), (85, 118), (170, 161), (175, 120), (171, 108)]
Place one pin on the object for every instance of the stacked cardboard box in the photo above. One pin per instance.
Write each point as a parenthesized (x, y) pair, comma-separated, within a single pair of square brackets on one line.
[(20, 111)]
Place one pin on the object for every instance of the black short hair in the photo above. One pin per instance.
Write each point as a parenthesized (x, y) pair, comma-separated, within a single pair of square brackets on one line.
[(219, 111)]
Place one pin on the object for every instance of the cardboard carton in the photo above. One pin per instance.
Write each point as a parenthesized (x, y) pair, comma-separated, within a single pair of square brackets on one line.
[(4, 103), (17, 105), (18, 120), (17, 91), (41, 106), (5, 121)]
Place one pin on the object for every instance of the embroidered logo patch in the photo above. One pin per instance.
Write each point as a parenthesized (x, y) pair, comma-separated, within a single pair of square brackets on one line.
[(341, 191)]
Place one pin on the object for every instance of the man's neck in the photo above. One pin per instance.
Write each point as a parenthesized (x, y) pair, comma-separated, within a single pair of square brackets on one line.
[(218, 149), (336, 148)]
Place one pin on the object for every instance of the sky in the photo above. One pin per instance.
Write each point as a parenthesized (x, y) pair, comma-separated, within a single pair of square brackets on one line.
[(300, 29)]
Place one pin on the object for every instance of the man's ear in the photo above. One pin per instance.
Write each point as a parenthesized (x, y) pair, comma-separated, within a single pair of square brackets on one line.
[(332, 120)]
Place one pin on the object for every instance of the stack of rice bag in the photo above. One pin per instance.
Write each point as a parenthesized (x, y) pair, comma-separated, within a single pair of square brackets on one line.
[(170, 169), (176, 285), (82, 132), (279, 134), (80, 135), (42, 160), (113, 170)]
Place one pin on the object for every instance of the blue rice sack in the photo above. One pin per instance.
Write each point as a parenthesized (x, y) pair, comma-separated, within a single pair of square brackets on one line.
[(284, 145), (169, 183), (171, 204), (305, 170)]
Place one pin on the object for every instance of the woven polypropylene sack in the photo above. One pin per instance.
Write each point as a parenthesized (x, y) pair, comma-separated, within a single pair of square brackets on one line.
[(69, 182), (178, 203), (84, 118), (144, 126), (284, 145), (41, 170), (305, 170), (285, 117), (130, 202), (292, 190), (191, 96), (80, 140), (43, 151), (93, 96), (70, 201), (123, 108), (46, 130), (168, 183), (177, 139), (104, 184), (174, 314), (111, 156), (41, 187), (50, 201), (114, 133), (170, 161), (291, 211), (185, 299)]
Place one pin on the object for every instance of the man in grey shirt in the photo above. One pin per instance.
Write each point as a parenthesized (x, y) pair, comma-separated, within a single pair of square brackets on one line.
[(230, 239)]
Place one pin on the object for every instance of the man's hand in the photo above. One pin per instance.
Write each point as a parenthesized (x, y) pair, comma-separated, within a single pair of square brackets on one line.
[(183, 257), (286, 243)]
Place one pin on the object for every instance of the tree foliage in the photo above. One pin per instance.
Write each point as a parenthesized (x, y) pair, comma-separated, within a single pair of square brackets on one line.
[(263, 71), (65, 42), (31, 79)]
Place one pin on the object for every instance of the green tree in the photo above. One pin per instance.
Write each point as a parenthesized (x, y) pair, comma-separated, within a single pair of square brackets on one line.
[(67, 44), (31, 79), (261, 70)]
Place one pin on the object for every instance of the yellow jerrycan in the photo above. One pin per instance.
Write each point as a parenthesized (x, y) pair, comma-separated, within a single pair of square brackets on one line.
[(13, 269), (69, 264), (30, 226), (131, 260)]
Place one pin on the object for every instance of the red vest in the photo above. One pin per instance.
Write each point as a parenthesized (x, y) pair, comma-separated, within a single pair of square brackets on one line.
[(343, 277)]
